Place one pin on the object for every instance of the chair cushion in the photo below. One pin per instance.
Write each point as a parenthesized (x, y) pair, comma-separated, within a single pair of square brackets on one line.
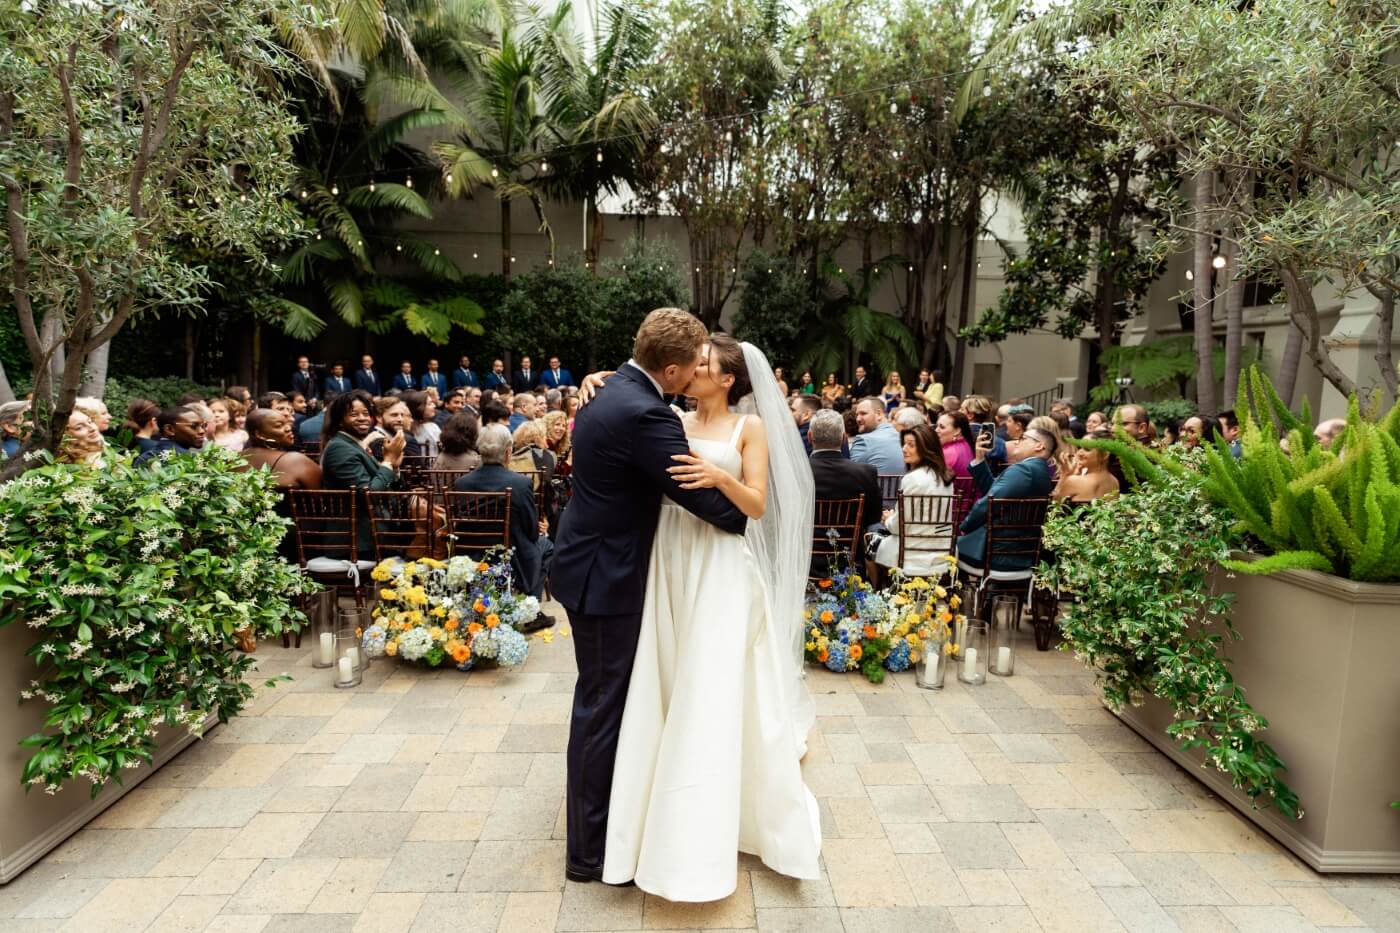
[(967, 568), (331, 565)]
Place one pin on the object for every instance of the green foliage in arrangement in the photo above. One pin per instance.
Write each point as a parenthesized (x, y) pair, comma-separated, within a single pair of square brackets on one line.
[(132, 582), (1146, 618), (1312, 507)]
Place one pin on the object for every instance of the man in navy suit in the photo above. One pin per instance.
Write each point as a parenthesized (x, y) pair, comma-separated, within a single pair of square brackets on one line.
[(624, 442), (366, 378), (462, 376), (336, 383), (432, 379), (1028, 477), (556, 376), (404, 380), (304, 380), (496, 377), (525, 378)]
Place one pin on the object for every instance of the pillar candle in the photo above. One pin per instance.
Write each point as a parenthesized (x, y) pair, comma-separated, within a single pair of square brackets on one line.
[(970, 662), (345, 671), (327, 648), (1003, 659)]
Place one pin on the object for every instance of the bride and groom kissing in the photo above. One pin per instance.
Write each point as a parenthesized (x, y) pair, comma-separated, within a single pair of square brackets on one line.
[(682, 561)]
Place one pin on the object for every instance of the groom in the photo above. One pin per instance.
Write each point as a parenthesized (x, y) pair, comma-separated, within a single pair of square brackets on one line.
[(623, 444)]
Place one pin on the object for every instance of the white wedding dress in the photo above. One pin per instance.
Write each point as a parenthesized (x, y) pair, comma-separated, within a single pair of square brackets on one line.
[(708, 759)]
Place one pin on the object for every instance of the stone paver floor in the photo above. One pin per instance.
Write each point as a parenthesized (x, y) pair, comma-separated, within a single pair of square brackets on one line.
[(434, 801)]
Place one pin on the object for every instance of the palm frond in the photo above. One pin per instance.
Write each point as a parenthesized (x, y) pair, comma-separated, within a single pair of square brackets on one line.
[(296, 321), (381, 292), (347, 300), (296, 268), (362, 24), (430, 259), (388, 197)]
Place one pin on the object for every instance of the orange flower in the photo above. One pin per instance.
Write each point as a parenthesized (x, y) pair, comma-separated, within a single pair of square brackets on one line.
[(827, 616), (493, 620), (856, 652), (461, 653), (870, 631), (483, 566), (479, 606), (823, 655), (473, 628), (824, 584)]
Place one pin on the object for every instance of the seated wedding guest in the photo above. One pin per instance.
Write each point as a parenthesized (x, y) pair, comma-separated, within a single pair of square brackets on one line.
[(96, 409), (493, 412), (1329, 430), (12, 431), (877, 443), (1199, 430), (459, 443), (422, 408), (309, 431), (1016, 423), (1089, 479), (532, 549), (978, 409), (553, 400), (927, 475), (82, 443), (346, 464), (522, 410), (832, 390), (952, 403), (224, 434), (1229, 429), (270, 443), (852, 428), (141, 422), (394, 418), (955, 435), (300, 407), (1095, 421), (893, 392), (907, 416), (835, 477), (571, 410), (453, 402), (1171, 432), (803, 408), (1027, 478), (241, 395), (276, 401), (529, 454), (557, 437), (1063, 461), (180, 431)]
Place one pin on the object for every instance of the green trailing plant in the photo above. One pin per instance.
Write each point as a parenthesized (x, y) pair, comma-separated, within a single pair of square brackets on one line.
[(132, 582), (1332, 509), (1146, 617)]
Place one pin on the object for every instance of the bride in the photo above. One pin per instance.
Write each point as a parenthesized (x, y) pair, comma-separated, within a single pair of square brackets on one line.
[(708, 762)]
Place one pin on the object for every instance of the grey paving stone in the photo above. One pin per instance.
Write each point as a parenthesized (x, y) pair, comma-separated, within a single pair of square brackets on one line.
[(358, 835), (990, 803), (426, 867), (1082, 831), (897, 920), (975, 845)]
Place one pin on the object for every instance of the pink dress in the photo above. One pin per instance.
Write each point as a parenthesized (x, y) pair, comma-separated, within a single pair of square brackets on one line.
[(958, 456)]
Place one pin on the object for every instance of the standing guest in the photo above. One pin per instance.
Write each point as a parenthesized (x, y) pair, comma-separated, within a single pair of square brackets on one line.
[(525, 378), (404, 381), (522, 410), (1230, 429), (366, 379), (463, 377), (270, 443), (832, 391), (834, 476), (806, 385), (893, 391), (782, 382), (422, 408), (926, 475), (394, 418), (955, 434), (496, 377), (532, 550), (455, 401), (1089, 479), (224, 434), (803, 408), (877, 443), (1028, 478), (459, 444), (304, 380), (141, 414), (181, 430), (862, 386), (346, 464), (434, 380), (82, 443), (930, 389), (337, 382), (556, 377)]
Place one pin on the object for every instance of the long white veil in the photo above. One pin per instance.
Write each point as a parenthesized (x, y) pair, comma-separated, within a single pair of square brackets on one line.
[(781, 541)]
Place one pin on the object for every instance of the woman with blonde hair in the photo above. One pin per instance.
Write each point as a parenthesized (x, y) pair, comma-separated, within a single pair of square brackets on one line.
[(893, 391), (223, 430), (556, 435), (82, 443), (96, 409)]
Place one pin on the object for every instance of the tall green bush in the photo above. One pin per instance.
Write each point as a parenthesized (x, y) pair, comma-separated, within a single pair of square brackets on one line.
[(132, 582)]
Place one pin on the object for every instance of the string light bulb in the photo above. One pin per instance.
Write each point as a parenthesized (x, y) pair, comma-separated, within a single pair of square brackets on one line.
[(512, 259), (1190, 275), (371, 186), (494, 172), (318, 236), (398, 247), (987, 89), (894, 107), (1218, 262), (408, 182), (303, 194), (335, 189), (449, 178), (599, 157), (437, 252), (473, 255), (544, 165)]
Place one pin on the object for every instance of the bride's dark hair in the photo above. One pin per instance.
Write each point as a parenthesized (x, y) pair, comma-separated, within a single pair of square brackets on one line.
[(730, 356)]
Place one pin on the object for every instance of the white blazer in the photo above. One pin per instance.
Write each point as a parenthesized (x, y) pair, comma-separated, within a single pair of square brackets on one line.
[(920, 482)]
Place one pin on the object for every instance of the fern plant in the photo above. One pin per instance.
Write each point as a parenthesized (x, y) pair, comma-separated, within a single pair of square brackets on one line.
[(1331, 508)]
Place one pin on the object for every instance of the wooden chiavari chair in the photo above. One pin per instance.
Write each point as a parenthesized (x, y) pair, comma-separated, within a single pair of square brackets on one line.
[(835, 532)]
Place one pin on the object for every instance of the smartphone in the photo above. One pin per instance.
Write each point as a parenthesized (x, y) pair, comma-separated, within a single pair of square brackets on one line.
[(984, 427)]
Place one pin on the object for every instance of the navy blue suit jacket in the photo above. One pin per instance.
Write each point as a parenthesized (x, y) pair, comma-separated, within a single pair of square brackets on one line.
[(367, 379), (336, 385), (623, 444), (305, 383), (463, 378), (436, 381), (492, 380), (550, 381), (404, 382), (524, 518), (1029, 479), (523, 382)]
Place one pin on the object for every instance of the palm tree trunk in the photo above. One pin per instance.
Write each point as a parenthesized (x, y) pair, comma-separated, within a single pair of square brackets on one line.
[(1204, 292), (505, 238)]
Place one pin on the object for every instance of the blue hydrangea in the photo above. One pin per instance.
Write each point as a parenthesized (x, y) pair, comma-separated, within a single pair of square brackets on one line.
[(898, 659), (373, 641), (523, 610), (466, 665), (484, 644), (511, 647), (836, 657)]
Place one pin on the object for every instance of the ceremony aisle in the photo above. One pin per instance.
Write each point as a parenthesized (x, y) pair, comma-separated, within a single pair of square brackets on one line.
[(433, 800)]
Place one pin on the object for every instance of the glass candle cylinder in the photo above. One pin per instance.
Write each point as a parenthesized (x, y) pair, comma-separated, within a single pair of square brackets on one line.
[(349, 659), (354, 619), (933, 664), (973, 667), (321, 612), (1005, 611)]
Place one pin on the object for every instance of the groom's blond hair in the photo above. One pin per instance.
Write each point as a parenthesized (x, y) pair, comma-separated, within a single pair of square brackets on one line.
[(668, 336)]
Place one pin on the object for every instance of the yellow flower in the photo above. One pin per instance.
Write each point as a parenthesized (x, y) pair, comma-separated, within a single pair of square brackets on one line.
[(911, 619), (915, 657), (914, 640), (415, 617), (816, 632), (415, 596), (900, 599), (430, 562), (564, 632), (435, 633), (389, 595), (546, 636), (391, 648), (940, 592), (438, 612), (811, 646), (954, 601), (951, 558), (950, 648), (410, 568), (383, 571)]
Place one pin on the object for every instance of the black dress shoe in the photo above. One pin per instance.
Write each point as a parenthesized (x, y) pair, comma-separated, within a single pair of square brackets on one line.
[(541, 621), (582, 877)]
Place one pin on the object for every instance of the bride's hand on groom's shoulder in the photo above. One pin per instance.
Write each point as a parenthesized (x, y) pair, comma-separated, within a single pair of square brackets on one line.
[(591, 384), (694, 473)]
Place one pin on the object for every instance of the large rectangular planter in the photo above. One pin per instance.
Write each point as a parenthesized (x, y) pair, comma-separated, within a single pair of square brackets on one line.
[(1317, 658), (35, 822)]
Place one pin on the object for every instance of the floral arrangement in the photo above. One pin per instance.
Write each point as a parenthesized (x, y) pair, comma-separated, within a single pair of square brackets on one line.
[(460, 611), (853, 626)]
